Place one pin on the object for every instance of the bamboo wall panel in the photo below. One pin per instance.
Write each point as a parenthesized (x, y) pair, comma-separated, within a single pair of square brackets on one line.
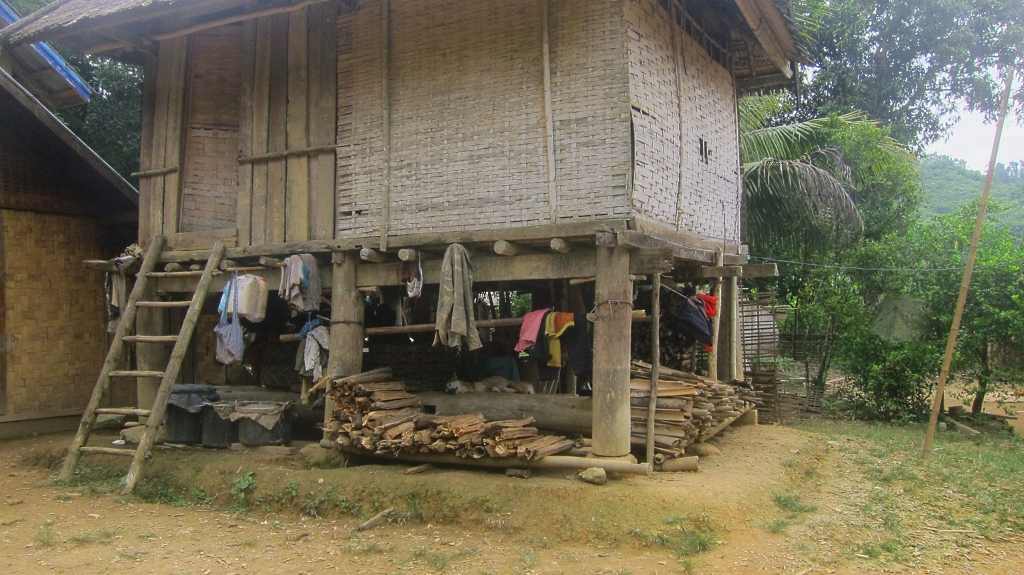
[(210, 191), (590, 104), (466, 99), (709, 202), (297, 191), (54, 340), (323, 110), (26, 184)]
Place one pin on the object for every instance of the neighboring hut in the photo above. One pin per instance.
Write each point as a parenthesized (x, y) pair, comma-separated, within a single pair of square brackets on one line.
[(58, 200), (558, 139)]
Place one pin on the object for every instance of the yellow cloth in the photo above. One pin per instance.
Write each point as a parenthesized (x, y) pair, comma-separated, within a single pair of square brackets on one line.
[(555, 325)]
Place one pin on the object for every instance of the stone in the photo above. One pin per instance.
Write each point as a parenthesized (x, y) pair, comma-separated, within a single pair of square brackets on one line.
[(595, 475), (317, 457), (702, 450), (133, 435)]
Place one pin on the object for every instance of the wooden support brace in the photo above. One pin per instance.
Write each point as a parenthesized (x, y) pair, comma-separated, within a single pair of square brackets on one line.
[(560, 246), (504, 248), (408, 254), (372, 255)]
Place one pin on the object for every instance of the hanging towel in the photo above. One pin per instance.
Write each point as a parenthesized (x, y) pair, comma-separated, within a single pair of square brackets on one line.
[(300, 283), (555, 325), (530, 328), (314, 352), (412, 275), (455, 323), (710, 304)]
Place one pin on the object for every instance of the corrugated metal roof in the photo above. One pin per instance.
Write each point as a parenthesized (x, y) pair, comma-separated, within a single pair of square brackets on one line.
[(39, 68)]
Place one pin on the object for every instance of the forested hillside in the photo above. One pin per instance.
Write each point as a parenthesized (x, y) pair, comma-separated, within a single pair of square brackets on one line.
[(948, 184)]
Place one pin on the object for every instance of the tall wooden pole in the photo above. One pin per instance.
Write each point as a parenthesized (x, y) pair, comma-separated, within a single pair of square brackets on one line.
[(655, 362), (940, 389), (717, 321), (612, 325), (346, 354)]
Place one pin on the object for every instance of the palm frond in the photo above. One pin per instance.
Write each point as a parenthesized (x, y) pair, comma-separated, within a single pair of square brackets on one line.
[(791, 201), (792, 141)]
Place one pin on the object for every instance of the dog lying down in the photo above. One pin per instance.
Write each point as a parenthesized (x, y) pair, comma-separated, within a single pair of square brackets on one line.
[(494, 383)]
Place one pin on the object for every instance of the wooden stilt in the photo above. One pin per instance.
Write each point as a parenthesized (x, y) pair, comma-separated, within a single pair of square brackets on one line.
[(655, 362), (346, 355), (613, 303), (716, 323)]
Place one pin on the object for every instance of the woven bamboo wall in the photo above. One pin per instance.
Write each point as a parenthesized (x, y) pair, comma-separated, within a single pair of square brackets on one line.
[(708, 202), (467, 133), (210, 190), (55, 339), (25, 184)]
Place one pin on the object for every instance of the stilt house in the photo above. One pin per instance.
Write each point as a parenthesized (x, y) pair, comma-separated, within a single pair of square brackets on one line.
[(60, 204), (557, 139)]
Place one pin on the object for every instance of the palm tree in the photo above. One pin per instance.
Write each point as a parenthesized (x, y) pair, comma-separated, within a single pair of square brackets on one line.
[(796, 183)]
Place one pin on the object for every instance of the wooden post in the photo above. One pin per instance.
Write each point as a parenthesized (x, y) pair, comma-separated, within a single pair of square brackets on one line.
[(717, 321), (940, 388), (728, 338), (385, 208), (549, 123), (346, 353), (612, 326), (655, 362)]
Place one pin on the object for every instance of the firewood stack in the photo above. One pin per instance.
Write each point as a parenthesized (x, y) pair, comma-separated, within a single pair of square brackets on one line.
[(378, 415), (690, 407)]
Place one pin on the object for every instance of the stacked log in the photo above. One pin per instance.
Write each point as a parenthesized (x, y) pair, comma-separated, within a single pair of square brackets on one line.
[(690, 407), (376, 414)]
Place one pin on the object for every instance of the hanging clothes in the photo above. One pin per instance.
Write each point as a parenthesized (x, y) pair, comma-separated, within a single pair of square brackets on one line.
[(710, 304), (412, 275), (539, 351), (689, 316), (300, 283), (313, 351), (455, 325), (576, 343), (530, 328), (555, 325)]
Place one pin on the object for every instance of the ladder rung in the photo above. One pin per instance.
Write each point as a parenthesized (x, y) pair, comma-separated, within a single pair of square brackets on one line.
[(150, 338), (107, 451), (122, 411), (136, 373), (188, 274), (163, 303)]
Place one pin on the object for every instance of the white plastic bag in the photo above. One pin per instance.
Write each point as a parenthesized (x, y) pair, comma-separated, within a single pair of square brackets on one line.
[(230, 344)]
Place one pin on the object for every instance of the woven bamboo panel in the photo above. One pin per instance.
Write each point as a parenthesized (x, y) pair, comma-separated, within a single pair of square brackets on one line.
[(210, 193), (466, 97), (709, 204), (55, 333), (26, 184)]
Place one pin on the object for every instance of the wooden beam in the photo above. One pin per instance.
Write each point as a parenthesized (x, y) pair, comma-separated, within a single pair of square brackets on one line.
[(505, 248), (407, 255), (605, 239), (721, 271), (372, 255), (559, 245), (323, 127), (278, 130), (243, 217), (261, 130), (297, 196), (760, 270), (771, 32)]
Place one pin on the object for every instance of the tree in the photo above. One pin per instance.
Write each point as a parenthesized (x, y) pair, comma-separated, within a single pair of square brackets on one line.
[(909, 63)]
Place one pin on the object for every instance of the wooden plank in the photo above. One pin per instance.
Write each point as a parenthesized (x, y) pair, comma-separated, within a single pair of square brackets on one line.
[(278, 132), (260, 130), (549, 123), (722, 271), (176, 122), (147, 187), (201, 240), (297, 192), (652, 260), (760, 270), (323, 129), (385, 33), (245, 131), (158, 155)]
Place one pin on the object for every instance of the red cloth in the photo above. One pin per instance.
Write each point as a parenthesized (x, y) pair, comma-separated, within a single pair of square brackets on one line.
[(710, 304), (528, 332)]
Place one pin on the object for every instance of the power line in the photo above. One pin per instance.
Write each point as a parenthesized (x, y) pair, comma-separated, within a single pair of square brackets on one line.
[(835, 267)]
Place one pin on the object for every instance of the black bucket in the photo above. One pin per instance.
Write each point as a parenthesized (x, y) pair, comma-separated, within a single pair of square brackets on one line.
[(183, 426), (218, 433), (253, 434)]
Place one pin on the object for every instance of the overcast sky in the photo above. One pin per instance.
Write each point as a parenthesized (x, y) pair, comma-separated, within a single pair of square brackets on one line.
[(971, 140)]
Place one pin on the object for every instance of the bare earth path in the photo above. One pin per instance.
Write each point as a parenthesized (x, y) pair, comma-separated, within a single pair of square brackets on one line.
[(779, 501)]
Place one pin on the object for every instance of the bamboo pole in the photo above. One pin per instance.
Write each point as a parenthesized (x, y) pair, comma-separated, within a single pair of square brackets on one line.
[(940, 388), (655, 362), (717, 321)]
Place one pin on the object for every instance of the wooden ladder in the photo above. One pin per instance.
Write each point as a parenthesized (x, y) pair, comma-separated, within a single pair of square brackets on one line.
[(167, 377)]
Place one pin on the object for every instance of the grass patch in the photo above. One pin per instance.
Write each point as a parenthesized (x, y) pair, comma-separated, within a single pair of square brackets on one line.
[(439, 560), (777, 526), (792, 503), (686, 536), (527, 558), (103, 536), (45, 537)]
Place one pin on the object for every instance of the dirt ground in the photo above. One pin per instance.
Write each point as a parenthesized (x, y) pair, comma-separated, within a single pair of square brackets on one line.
[(778, 501)]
